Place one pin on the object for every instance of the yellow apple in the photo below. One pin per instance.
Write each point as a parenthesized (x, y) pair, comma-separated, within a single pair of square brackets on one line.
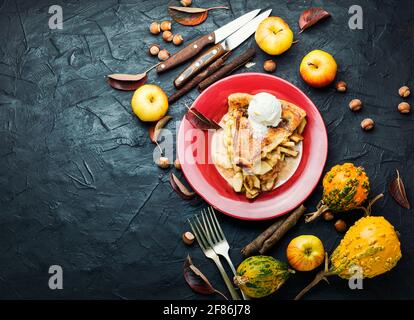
[(274, 36), (318, 68), (149, 103), (305, 253)]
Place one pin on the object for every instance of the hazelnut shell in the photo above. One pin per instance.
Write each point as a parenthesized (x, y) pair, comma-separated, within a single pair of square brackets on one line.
[(167, 36), (328, 216), (154, 49), (341, 86), (155, 27), (177, 164), (340, 225), (163, 55), (163, 162), (269, 66), (177, 39), (355, 105), (367, 124), (165, 25), (186, 3), (404, 91), (404, 107), (188, 238)]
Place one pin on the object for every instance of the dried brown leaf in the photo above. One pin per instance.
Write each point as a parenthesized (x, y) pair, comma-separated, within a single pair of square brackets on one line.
[(154, 131), (126, 85), (311, 16), (188, 9), (197, 281), (117, 81), (199, 121), (127, 77), (180, 188), (397, 191), (128, 82)]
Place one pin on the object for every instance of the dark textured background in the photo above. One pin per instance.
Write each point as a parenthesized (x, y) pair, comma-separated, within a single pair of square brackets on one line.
[(78, 186)]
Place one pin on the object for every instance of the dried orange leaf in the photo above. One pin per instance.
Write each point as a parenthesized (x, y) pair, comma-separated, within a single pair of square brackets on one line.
[(311, 16), (189, 16), (154, 131), (180, 188), (397, 191)]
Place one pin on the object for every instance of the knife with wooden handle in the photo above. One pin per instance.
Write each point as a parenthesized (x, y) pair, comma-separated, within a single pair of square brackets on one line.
[(186, 53), (230, 43), (199, 44), (203, 60)]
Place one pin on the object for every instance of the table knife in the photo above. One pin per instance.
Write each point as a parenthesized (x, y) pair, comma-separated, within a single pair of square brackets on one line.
[(230, 43), (212, 38)]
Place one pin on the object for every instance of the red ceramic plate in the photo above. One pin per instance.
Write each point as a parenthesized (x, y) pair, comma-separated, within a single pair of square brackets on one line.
[(203, 176)]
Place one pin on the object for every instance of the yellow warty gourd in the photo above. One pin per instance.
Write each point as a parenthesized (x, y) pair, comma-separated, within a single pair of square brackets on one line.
[(371, 244)]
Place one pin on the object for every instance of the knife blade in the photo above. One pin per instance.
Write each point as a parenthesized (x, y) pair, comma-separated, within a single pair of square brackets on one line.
[(231, 27), (230, 43), (212, 38)]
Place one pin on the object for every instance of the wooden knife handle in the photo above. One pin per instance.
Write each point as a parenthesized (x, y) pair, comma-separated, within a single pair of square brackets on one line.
[(186, 53), (237, 62), (202, 61), (198, 78)]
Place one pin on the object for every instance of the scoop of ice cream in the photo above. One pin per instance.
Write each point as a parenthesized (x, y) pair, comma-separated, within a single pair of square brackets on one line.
[(264, 111)]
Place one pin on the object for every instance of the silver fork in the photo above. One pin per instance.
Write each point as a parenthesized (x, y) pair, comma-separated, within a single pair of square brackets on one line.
[(216, 238), (198, 231)]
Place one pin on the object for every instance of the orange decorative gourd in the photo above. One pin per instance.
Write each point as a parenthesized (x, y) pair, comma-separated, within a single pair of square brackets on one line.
[(345, 187)]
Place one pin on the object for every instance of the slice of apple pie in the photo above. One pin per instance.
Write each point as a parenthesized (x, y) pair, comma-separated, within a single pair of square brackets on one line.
[(252, 165)]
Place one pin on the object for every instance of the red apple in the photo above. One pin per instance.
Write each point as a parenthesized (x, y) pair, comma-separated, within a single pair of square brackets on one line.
[(318, 68), (305, 253)]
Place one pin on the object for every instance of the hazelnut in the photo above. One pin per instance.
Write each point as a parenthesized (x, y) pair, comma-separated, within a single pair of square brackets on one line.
[(367, 124), (341, 86), (328, 216), (355, 105), (340, 225), (154, 49), (186, 3), (177, 39), (163, 55), (404, 91), (177, 164), (166, 26), (167, 36), (269, 66), (188, 238), (155, 27), (404, 107), (163, 162)]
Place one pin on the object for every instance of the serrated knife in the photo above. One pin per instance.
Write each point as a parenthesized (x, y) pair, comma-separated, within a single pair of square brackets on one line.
[(212, 38), (230, 43)]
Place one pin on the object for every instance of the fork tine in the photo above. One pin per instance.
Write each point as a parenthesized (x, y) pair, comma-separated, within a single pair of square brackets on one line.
[(216, 232), (203, 229), (213, 235), (206, 233), (220, 231), (202, 232), (199, 240)]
